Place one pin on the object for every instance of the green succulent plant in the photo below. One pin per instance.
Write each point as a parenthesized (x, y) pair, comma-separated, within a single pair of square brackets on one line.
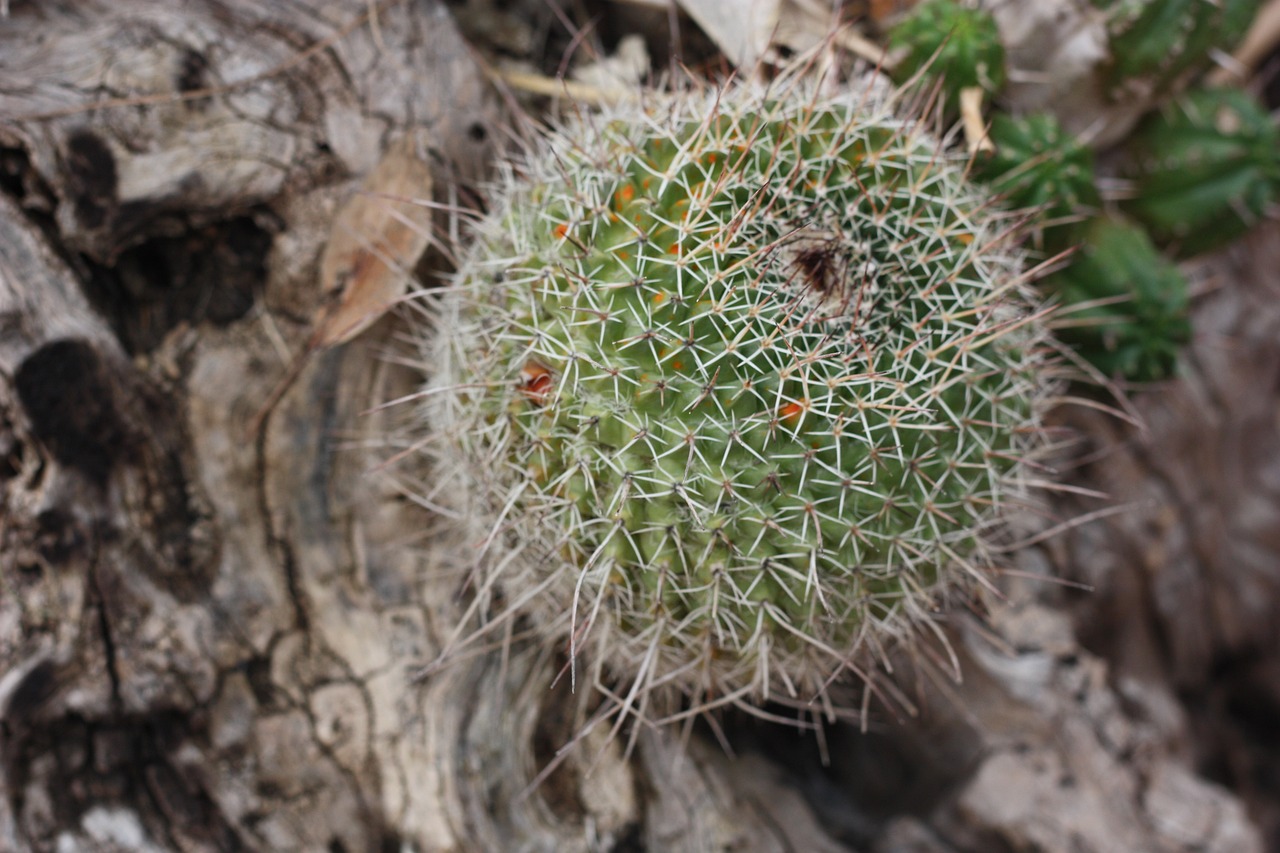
[(1205, 170), (1124, 305), (733, 386), (956, 44), (1157, 43), (1037, 167)]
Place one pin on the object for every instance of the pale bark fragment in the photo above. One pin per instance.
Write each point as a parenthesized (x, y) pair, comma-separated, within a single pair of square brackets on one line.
[(208, 639)]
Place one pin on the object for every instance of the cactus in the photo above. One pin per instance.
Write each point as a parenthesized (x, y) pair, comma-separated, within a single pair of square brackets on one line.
[(1124, 304), (1205, 170), (733, 386), (1157, 43), (1036, 166), (957, 45)]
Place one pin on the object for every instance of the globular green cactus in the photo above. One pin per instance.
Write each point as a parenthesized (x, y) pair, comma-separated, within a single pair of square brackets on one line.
[(1038, 167), (1205, 170), (953, 43), (1156, 43), (1124, 305), (732, 387)]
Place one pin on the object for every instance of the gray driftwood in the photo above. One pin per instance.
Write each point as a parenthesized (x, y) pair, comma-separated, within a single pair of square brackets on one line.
[(209, 634)]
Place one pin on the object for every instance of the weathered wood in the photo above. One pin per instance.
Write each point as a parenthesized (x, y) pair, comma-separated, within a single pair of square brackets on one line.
[(1186, 583), (209, 636)]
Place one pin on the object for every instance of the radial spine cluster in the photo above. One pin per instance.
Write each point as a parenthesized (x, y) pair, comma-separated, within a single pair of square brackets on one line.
[(731, 387)]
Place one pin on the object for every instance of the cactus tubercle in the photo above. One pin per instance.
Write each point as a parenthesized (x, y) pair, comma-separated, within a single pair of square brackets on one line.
[(733, 387)]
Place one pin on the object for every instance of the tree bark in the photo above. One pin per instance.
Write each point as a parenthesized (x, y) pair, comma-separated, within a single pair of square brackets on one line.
[(210, 633)]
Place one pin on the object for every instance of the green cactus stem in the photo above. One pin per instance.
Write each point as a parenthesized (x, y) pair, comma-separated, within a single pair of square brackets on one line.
[(1155, 44), (733, 387), (1038, 167), (955, 44), (1205, 170), (1124, 305)]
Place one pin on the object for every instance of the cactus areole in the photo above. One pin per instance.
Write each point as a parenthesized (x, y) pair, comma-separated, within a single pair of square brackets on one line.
[(732, 387)]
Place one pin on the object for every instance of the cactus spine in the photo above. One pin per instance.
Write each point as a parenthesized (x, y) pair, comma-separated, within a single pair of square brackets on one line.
[(733, 386)]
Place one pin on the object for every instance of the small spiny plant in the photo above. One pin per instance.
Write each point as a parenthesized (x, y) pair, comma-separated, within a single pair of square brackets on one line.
[(1205, 169), (1124, 305), (731, 388), (955, 44), (1037, 167), (1156, 44)]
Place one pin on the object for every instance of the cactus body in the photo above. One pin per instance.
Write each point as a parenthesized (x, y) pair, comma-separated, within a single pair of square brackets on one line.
[(1155, 43), (1205, 170), (955, 44), (732, 385), (1038, 167), (1124, 304)]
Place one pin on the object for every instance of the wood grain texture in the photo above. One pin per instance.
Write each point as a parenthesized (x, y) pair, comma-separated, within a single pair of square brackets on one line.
[(209, 638)]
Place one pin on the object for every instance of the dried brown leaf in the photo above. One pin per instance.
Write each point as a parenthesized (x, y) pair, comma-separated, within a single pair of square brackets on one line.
[(376, 240)]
